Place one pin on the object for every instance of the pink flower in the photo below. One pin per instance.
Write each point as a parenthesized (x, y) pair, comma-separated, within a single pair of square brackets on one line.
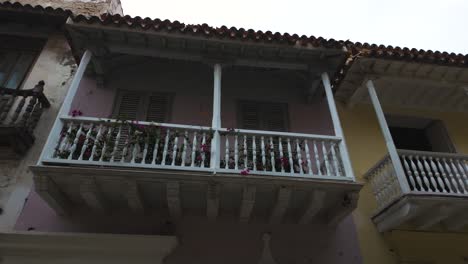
[(245, 172), (284, 161), (205, 148), (76, 113), (231, 129)]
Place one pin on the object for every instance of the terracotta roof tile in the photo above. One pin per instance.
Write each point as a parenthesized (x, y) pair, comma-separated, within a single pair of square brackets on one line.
[(207, 31)]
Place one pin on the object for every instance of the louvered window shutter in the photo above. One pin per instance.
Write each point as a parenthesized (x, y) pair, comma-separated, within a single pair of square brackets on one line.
[(249, 115), (129, 105), (263, 116), (274, 117), (159, 106)]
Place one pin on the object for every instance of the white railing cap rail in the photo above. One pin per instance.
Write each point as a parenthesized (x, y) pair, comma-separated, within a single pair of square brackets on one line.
[(145, 123), (278, 133), (409, 152)]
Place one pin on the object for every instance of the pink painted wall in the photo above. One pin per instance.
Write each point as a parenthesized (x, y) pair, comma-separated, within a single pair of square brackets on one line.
[(192, 85)]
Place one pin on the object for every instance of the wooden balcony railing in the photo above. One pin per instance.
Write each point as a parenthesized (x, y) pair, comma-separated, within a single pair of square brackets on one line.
[(431, 173), (20, 111), (94, 141)]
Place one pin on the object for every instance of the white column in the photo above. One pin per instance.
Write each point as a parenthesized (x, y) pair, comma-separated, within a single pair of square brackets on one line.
[(216, 122), (337, 125), (65, 108), (388, 137)]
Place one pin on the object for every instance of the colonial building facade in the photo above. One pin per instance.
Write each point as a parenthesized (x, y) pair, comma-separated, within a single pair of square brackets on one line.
[(175, 143)]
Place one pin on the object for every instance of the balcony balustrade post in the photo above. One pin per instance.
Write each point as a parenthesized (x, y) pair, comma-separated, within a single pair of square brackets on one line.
[(216, 122), (388, 137), (54, 134), (337, 126)]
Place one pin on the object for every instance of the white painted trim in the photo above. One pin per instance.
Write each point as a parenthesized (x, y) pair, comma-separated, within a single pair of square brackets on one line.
[(337, 126), (388, 138), (66, 106), (277, 133)]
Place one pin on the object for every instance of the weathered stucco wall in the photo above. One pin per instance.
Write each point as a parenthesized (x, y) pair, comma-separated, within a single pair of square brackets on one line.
[(55, 65), (366, 147), (84, 7)]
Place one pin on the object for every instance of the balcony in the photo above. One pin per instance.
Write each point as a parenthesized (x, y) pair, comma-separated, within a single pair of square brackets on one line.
[(431, 189), (216, 129), (20, 111)]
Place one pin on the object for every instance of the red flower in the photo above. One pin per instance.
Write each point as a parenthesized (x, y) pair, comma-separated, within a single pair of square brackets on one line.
[(245, 172), (284, 161), (205, 148)]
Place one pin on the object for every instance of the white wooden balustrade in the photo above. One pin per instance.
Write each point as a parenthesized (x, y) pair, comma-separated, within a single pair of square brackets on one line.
[(431, 173), (93, 141), (281, 154)]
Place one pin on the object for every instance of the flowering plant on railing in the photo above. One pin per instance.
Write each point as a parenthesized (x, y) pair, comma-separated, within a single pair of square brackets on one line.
[(266, 157), (131, 141)]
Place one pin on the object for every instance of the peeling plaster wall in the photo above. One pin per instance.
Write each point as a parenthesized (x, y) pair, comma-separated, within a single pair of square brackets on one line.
[(84, 7), (55, 65)]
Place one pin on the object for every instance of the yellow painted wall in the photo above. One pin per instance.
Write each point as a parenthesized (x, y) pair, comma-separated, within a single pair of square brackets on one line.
[(366, 147)]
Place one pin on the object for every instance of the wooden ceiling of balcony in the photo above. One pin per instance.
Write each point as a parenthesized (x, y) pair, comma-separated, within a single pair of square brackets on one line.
[(407, 85)]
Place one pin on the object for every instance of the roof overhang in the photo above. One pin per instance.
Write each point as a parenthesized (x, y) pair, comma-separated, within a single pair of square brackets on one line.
[(117, 38), (403, 83)]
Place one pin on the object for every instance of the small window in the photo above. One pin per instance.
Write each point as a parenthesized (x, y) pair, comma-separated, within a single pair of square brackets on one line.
[(263, 116), (155, 107), (17, 55)]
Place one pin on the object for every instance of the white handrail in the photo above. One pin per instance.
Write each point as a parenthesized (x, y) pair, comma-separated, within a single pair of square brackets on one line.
[(277, 133)]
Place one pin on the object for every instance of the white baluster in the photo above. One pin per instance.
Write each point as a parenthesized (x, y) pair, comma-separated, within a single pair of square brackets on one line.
[(246, 164), (325, 158), (280, 146), (452, 177), (429, 173), (272, 155), (85, 143), (194, 149), (104, 148), (145, 150), (136, 149), (299, 156), (166, 145), (423, 173), (317, 158), (203, 150), (75, 141), (290, 154), (335, 159), (409, 172), (440, 181), (126, 144), (457, 175), (184, 150), (226, 163), (174, 149), (155, 150), (415, 172), (96, 140), (116, 145), (307, 151), (463, 171), (262, 145), (445, 177), (236, 153), (66, 139), (254, 153)]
